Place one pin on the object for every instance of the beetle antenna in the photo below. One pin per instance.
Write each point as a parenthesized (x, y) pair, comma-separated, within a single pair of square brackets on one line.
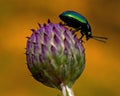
[(102, 39)]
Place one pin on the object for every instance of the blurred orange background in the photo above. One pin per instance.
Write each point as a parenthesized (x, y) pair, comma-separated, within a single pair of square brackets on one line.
[(101, 76)]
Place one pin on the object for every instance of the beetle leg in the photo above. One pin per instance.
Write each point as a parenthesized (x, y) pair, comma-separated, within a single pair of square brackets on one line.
[(82, 41), (76, 30), (82, 35)]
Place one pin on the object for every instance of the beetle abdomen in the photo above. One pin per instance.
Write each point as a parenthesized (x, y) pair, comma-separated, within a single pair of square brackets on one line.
[(73, 19)]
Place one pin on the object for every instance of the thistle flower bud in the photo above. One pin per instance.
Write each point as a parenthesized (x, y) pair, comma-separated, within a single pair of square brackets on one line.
[(55, 57)]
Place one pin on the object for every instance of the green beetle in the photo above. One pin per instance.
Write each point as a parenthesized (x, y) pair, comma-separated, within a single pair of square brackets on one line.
[(79, 22)]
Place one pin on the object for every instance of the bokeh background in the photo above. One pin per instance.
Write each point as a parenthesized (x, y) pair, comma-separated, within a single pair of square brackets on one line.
[(101, 76)]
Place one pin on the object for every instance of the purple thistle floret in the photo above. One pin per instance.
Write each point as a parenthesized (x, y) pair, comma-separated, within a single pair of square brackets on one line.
[(54, 55)]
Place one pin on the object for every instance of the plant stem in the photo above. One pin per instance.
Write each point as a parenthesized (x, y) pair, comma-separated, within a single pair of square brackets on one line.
[(66, 91)]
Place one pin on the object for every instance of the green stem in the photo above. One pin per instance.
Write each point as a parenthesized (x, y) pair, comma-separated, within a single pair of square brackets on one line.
[(66, 91)]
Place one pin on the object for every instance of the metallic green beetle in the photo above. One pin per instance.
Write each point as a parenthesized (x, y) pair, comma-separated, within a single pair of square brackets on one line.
[(79, 22)]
